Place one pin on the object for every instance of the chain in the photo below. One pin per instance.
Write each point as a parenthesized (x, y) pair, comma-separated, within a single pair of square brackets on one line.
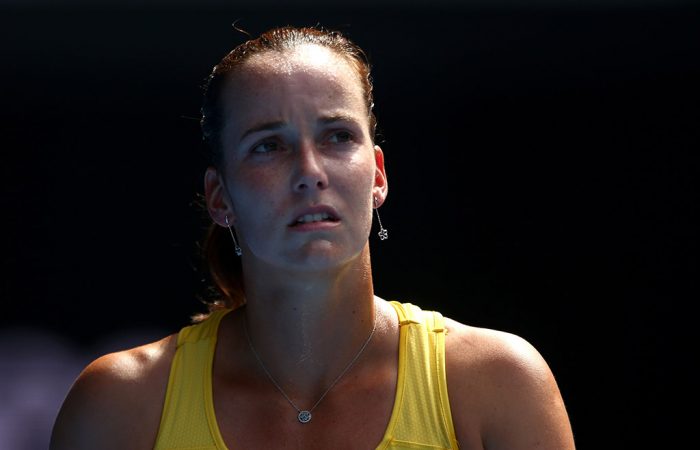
[(304, 416)]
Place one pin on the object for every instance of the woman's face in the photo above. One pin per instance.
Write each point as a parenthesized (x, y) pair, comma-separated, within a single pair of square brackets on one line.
[(300, 168)]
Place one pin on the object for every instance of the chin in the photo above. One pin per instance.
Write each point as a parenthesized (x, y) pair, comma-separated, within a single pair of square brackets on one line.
[(321, 256)]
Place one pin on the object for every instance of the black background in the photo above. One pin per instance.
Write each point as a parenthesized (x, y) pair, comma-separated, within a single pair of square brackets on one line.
[(541, 162)]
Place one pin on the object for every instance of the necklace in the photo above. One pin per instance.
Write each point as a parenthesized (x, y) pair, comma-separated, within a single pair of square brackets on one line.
[(304, 416)]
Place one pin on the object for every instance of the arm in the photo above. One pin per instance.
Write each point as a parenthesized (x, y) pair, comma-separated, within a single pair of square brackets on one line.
[(116, 401), (513, 399)]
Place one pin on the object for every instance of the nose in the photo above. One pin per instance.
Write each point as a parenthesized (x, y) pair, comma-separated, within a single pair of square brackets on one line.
[(310, 171)]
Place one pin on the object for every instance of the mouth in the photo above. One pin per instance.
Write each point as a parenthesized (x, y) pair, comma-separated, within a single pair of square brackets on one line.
[(312, 218)]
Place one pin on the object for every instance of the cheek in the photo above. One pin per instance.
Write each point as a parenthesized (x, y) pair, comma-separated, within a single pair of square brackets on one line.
[(357, 180), (255, 212), (359, 173), (253, 194)]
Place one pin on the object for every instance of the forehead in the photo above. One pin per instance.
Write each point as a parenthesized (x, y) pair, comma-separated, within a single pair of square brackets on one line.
[(305, 57), (271, 82)]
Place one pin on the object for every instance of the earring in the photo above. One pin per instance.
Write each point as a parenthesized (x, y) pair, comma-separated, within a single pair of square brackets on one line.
[(237, 249), (383, 232)]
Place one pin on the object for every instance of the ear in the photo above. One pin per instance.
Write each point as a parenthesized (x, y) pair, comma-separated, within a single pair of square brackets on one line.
[(217, 197), (381, 186)]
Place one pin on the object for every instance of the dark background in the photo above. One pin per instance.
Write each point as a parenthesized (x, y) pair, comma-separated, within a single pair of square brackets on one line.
[(541, 160)]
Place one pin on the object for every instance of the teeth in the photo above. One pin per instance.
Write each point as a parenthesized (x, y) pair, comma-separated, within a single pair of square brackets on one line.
[(306, 218)]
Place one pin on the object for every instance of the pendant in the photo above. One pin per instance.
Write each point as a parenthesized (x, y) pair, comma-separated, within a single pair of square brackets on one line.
[(304, 416)]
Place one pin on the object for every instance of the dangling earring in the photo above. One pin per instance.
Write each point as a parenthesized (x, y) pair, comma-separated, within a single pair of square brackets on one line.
[(383, 232), (237, 249)]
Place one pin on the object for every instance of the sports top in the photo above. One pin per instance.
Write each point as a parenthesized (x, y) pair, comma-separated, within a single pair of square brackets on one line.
[(420, 418)]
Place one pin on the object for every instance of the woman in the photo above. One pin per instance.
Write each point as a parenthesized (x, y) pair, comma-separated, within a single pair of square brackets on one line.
[(300, 353)]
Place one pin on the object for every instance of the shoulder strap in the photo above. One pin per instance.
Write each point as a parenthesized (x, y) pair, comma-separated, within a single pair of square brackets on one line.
[(188, 411), (407, 312), (422, 416), (206, 329)]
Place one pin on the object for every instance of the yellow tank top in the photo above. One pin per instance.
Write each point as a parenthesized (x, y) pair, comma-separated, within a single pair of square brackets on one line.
[(420, 418)]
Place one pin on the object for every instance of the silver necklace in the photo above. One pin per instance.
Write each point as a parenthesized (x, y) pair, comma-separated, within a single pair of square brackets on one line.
[(304, 416)]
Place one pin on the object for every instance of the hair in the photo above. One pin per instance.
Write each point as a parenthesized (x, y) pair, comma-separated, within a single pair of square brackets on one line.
[(217, 251)]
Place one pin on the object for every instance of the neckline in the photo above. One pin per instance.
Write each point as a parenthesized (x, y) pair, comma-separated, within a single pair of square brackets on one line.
[(209, 395)]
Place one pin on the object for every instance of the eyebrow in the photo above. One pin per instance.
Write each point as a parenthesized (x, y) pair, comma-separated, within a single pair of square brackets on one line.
[(337, 118), (277, 124), (266, 126)]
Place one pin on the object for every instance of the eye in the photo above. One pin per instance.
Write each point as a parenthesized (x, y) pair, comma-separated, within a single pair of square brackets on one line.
[(265, 147), (340, 137)]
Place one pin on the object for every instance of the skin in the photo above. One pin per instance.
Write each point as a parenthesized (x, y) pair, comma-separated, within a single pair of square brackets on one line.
[(302, 281)]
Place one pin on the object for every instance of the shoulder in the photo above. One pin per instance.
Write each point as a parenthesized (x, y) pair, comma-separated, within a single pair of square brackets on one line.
[(498, 352), (513, 397), (116, 392)]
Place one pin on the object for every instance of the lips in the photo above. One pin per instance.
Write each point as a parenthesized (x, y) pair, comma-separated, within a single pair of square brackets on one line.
[(314, 214)]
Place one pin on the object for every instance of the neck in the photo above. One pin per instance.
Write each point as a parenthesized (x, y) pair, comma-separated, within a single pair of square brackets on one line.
[(307, 328)]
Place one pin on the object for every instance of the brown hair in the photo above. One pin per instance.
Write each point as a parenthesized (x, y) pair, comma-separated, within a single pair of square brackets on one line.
[(224, 266)]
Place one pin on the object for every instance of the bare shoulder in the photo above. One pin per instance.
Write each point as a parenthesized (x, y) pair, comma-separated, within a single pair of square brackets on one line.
[(501, 353), (512, 396), (116, 392)]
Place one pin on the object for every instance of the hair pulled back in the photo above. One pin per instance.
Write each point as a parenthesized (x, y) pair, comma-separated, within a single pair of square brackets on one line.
[(224, 266)]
